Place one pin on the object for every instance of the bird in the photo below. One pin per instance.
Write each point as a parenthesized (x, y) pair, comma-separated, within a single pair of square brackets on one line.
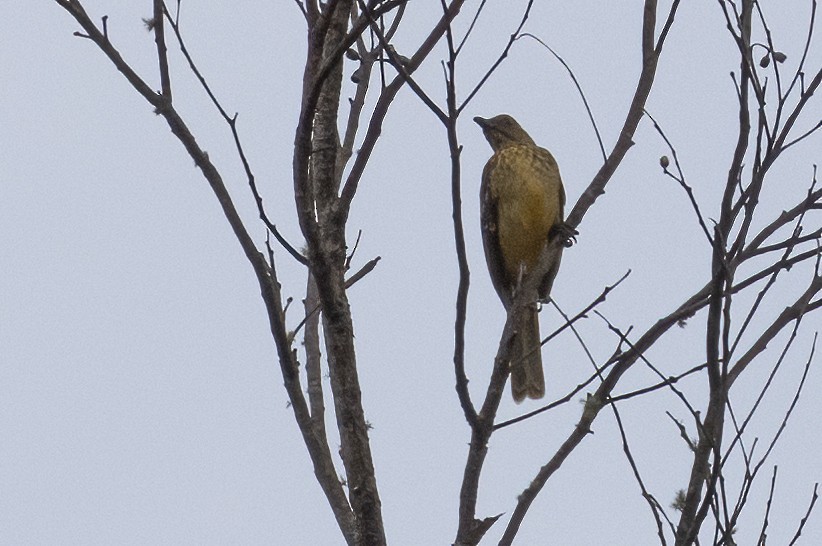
[(522, 203)]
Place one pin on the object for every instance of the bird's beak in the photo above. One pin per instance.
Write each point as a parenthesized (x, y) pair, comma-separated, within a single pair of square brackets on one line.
[(482, 122)]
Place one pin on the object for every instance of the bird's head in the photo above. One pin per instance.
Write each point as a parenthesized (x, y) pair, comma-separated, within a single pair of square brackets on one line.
[(502, 131)]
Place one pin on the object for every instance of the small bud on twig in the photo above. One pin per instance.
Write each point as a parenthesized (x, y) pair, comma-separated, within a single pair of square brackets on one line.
[(356, 76), (664, 161)]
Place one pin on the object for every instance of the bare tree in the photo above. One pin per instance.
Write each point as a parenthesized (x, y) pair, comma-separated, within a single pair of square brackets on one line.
[(747, 262)]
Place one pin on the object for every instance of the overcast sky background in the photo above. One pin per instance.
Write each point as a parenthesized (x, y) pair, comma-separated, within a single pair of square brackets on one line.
[(140, 398)]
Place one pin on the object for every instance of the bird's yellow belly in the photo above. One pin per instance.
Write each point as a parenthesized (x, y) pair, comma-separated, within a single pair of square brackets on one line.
[(524, 221)]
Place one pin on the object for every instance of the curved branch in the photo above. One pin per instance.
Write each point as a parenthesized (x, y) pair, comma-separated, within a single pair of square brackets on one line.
[(579, 90)]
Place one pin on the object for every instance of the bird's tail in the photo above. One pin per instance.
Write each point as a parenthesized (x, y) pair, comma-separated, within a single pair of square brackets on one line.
[(527, 378)]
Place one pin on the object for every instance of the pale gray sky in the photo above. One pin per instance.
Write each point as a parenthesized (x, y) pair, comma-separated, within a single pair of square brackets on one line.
[(140, 398)]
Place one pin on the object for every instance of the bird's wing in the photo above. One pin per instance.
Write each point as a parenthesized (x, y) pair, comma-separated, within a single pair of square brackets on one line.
[(553, 169), (490, 232), (552, 178)]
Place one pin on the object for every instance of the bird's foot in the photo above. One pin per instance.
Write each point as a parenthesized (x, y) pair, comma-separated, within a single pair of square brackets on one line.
[(566, 233)]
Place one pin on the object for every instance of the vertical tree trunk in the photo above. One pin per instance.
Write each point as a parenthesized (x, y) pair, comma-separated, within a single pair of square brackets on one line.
[(326, 254)]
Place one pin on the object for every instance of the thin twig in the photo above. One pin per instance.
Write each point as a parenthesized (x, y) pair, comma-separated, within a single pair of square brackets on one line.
[(791, 407), (232, 123), (800, 68), (579, 90), (683, 432), (461, 305), (681, 179), (667, 382), (480, 84), (650, 499), (470, 28), (162, 54), (362, 272), (813, 197), (807, 515), (803, 136), (763, 533)]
